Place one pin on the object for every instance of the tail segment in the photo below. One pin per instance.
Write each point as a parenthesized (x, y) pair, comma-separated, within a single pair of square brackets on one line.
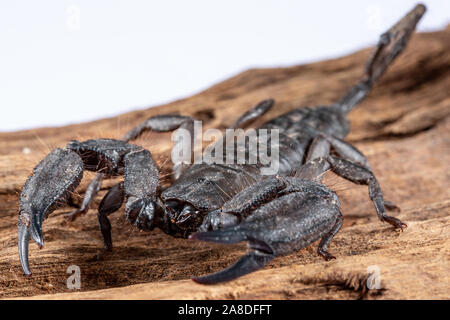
[(390, 45)]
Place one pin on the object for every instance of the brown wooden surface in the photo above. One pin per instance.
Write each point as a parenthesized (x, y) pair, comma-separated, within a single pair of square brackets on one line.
[(403, 127)]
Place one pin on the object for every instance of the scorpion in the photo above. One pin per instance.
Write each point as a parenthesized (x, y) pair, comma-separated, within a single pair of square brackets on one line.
[(276, 214)]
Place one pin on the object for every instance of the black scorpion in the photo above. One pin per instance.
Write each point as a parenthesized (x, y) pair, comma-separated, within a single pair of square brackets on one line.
[(276, 214)]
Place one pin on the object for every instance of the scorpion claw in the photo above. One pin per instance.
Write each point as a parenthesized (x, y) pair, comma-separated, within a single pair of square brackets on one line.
[(250, 262), (36, 234), (52, 181), (101, 255), (395, 222), (24, 236)]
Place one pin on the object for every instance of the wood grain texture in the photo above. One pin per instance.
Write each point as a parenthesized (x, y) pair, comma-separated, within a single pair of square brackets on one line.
[(403, 127)]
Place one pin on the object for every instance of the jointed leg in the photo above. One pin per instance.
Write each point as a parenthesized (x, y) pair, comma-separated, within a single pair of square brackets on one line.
[(250, 262), (323, 245), (254, 113), (352, 165), (110, 203), (167, 123), (358, 174), (348, 152), (160, 123), (89, 196)]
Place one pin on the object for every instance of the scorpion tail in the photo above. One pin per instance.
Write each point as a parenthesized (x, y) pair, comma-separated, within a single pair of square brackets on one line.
[(390, 45)]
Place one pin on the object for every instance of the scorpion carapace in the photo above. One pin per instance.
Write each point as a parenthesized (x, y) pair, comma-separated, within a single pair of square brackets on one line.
[(277, 214)]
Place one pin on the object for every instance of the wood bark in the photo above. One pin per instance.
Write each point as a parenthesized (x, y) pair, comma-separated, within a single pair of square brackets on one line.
[(403, 127)]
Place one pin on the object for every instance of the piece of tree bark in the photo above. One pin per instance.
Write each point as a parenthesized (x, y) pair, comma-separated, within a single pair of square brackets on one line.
[(403, 127)]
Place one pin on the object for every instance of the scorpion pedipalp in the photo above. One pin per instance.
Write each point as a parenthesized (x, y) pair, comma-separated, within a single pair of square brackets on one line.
[(60, 172), (53, 180), (298, 214)]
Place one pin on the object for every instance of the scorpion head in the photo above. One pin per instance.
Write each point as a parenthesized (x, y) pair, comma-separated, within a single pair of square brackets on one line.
[(183, 214), (178, 216)]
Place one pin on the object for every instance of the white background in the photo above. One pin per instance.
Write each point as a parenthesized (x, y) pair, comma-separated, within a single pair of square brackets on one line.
[(68, 61)]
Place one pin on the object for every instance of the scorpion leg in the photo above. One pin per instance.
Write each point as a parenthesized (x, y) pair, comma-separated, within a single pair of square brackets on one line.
[(358, 174), (160, 123), (111, 202), (323, 245), (167, 123), (316, 160), (349, 152), (89, 196), (390, 45), (254, 113)]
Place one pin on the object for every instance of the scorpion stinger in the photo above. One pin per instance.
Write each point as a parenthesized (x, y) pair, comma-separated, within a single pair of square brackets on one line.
[(390, 45)]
